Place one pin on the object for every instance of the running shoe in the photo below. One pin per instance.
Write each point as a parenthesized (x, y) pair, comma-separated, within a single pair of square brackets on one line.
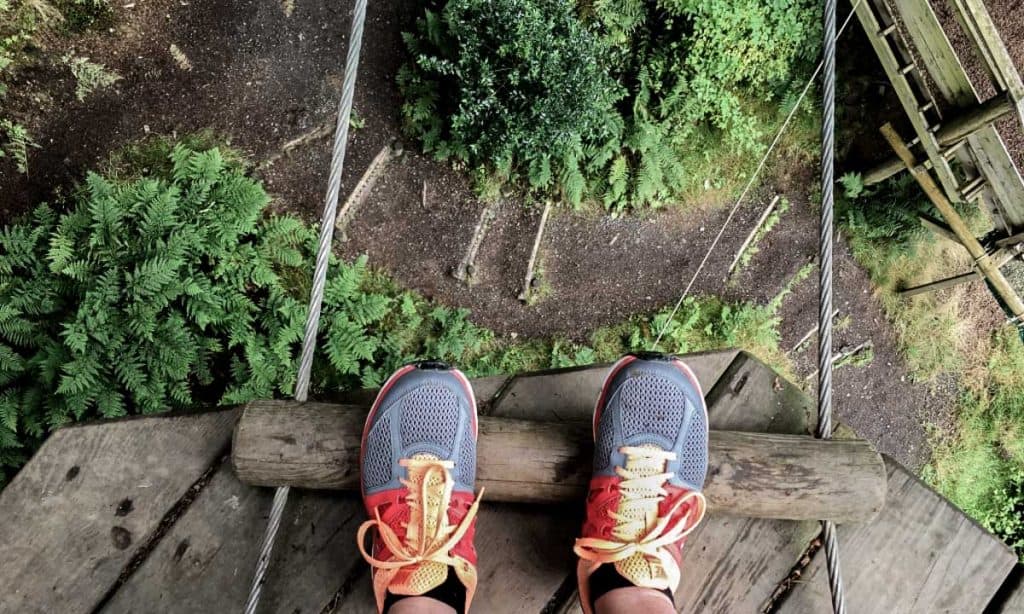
[(650, 462), (417, 468)]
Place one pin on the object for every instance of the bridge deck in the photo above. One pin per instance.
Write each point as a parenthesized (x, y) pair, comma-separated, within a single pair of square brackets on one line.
[(145, 515)]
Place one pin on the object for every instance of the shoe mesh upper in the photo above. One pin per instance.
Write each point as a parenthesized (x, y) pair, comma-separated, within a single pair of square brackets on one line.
[(693, 462), (377, 461), (651, 404), (430, 413)]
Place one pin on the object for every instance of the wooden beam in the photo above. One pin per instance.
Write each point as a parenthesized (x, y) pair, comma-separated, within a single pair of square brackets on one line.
[(956, 223), (938, 227), (952, 132), (316, 445), (1001, 257), (971, 120)]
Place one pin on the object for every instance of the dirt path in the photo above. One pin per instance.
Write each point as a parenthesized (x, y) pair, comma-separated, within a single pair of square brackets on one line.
[(262, 78)]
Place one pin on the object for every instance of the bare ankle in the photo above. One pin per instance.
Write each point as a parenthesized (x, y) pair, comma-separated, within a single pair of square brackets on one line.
[(634, 599), (420, 605)]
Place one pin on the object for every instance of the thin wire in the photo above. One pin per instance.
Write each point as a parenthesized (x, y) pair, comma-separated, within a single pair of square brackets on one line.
[(746, 189), (316, 294), (828, 130)]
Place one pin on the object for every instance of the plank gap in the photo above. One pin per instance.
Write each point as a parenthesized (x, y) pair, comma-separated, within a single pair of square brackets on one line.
[(164, 527)]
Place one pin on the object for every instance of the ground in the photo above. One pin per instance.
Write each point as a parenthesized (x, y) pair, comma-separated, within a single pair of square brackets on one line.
[(262, 78)]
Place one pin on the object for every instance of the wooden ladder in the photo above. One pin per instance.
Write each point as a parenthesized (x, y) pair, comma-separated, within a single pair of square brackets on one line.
[(915, 96)]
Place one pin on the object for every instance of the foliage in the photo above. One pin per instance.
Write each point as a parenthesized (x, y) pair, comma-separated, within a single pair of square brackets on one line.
[(17, 143), (80, 15), (516, 86), (888, 240), (981, 466), (174, 290), (614, 103), (89, 76), (978, 464), (853, 184)]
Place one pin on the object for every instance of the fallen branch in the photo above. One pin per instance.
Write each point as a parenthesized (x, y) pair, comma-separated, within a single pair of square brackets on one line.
[(844, 355), (466, 269), (810, 334), (524, 296), (750, 237), (362, 189)]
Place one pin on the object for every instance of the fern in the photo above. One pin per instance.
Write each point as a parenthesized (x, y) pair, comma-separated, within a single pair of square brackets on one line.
[(175, 290)]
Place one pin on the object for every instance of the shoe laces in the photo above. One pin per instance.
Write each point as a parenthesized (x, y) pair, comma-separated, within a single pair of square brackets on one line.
[(428, 534), (638, 526)]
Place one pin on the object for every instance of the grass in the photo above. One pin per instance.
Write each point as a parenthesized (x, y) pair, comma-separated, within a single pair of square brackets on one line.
[(978, 463)]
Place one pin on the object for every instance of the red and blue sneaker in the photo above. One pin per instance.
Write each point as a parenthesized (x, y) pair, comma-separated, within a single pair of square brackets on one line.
[(417, 470), (650, 462)]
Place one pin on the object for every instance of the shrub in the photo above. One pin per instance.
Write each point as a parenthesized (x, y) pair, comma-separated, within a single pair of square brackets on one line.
[(623, 95), (175, 290), (517, 86)]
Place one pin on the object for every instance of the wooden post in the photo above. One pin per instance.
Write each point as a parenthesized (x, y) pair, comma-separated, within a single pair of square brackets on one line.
[(316, 445), (951, 132), (982, 260)]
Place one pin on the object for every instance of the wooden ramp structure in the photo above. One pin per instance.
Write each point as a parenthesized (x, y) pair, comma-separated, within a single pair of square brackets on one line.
[(954, 130), (149, 515)]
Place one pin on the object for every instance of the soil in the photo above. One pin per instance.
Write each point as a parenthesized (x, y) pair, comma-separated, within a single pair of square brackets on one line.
[(262, 78)]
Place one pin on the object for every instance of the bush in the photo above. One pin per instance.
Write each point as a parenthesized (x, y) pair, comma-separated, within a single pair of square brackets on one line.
[(516, 86), (531, 91), (175, 290)]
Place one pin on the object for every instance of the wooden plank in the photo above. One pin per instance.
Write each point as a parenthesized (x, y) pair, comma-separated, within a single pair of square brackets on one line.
[(890, 63), (983, 33), (920, 555), (570, 394), (982, 260), (1010, 599), (762, 475), (91, 498), (936, 52), (205, 563), (1002, 174), (948, 73)]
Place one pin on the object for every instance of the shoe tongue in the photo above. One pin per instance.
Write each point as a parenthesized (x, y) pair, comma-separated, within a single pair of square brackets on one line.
[(428, 575), (640, 569)]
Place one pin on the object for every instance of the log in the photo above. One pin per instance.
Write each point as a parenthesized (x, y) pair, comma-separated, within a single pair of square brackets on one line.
[(761, 475), (952, 131)]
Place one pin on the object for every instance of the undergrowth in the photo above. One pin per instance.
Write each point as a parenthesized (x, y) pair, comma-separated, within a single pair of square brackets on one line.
[(979, 463), (172, 288)]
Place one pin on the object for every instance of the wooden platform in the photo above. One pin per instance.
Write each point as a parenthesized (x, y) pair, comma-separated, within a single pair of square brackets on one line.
[(145, 515)]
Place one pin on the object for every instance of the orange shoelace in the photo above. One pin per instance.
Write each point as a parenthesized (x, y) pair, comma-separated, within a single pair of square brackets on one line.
[(428, 535), (638, 527)]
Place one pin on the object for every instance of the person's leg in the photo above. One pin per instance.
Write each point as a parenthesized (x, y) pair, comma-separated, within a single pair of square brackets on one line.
[(634, 599), (420, 605), (650, 462), (417, 469)]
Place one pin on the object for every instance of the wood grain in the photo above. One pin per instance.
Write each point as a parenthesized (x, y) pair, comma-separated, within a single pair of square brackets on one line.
[(763, 475), (90, 498), (206, 561), (921, 554)]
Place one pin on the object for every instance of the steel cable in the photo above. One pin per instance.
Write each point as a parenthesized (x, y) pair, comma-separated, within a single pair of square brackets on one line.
[(316, 295)]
